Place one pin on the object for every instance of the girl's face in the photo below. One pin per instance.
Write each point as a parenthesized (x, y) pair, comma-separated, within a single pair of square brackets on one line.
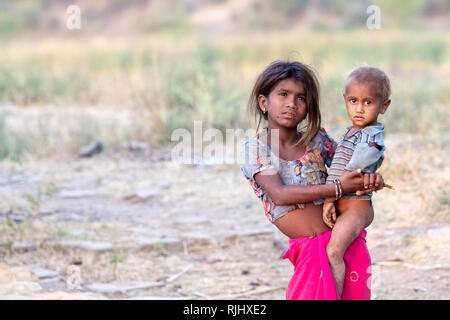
[(286, 104), (363, 106)]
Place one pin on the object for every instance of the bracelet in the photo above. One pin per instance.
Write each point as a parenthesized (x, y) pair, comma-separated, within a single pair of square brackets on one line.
[(338, 188)]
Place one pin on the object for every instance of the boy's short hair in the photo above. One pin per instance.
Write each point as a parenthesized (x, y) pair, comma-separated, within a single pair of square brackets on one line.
[(374, 76)]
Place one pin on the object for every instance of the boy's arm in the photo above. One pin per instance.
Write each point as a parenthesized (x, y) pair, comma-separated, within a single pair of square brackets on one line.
[(367, 157)]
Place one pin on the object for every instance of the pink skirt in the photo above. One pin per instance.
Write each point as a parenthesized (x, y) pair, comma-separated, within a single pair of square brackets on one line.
[(313, 280)]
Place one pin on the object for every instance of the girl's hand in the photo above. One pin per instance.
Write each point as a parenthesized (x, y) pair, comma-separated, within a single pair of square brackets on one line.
[(372, 182), (329, 214), (352, 181)]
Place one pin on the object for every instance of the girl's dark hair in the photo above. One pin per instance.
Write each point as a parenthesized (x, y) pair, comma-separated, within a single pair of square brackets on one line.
[(280, 70)]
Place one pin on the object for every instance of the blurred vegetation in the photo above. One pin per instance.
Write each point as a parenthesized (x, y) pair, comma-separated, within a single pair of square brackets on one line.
[(37, 16), (170, 72)]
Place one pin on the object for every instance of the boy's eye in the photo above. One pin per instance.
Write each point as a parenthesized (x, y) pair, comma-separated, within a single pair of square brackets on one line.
[(283, 94), (352, 100), (368, 102)]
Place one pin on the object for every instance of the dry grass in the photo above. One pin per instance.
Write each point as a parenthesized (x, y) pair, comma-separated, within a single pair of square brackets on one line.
[(62, 94), (419, 171), (166, 82)]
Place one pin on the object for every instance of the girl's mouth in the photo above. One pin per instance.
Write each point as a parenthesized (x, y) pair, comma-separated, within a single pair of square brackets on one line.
[(288, 115)]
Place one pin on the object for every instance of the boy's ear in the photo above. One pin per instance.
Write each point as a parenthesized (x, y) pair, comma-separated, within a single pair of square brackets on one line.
[(385, 105)]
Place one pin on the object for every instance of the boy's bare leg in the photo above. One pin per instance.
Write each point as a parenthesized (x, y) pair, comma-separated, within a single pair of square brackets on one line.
[(348, 226)]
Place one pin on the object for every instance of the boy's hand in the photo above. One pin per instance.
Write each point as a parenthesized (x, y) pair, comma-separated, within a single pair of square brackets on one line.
[(329, 214), (372, 182)]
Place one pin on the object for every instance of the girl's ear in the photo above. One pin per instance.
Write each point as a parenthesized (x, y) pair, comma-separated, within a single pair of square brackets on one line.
[(385, 106), (262, 102)]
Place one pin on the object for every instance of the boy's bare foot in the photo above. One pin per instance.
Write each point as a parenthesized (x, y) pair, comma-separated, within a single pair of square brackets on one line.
[(337, 266)]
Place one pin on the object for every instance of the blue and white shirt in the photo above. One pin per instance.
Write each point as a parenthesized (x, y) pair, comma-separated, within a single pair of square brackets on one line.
[(363, 149)]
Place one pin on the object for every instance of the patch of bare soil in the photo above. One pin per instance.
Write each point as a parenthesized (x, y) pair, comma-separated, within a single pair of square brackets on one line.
[(124, 227)]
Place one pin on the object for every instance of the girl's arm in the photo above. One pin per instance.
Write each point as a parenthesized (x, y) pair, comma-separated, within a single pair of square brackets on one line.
[(283, 194)]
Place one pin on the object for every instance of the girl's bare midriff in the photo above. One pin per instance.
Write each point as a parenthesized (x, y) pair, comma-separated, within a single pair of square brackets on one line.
[(304, 222)]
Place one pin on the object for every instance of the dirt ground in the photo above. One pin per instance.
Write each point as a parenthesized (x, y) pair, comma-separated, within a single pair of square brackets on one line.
[(134, 225)]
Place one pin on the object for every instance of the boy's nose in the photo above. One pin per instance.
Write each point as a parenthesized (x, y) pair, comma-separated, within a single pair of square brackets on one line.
[(359, 107)]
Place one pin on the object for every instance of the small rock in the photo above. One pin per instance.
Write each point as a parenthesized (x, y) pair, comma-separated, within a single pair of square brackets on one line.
[(78, 193), (165, 243), (43, 273), (439, 232), (23, 246), (86, 244), (18, 218), (142, 195), (122, 287), (70, 296), (136, 146), (91, 149), (49, 280), (77, 262), (165, 185), (145, 194), (255, 232), (9, 108)]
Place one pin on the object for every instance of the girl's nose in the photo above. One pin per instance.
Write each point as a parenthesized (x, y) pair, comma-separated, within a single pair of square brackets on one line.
[(291, 103)]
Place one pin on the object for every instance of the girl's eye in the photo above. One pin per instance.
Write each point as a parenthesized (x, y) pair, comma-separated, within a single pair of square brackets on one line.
[(301, 98), (283, 94)]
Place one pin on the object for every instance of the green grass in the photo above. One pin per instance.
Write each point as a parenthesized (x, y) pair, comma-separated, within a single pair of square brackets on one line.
[(173, 80), (13, 145)]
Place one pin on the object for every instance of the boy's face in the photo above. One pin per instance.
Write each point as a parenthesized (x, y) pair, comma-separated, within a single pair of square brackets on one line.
[(363, 105)]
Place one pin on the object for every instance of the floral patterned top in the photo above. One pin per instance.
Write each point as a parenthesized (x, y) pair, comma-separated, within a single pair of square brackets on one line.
[(309, 169)]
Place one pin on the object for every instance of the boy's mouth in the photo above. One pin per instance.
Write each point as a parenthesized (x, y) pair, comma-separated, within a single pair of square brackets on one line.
[(358, 118)]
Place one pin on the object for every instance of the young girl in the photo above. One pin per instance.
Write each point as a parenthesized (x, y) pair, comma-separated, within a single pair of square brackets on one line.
[(286, 169), (366, 95)]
